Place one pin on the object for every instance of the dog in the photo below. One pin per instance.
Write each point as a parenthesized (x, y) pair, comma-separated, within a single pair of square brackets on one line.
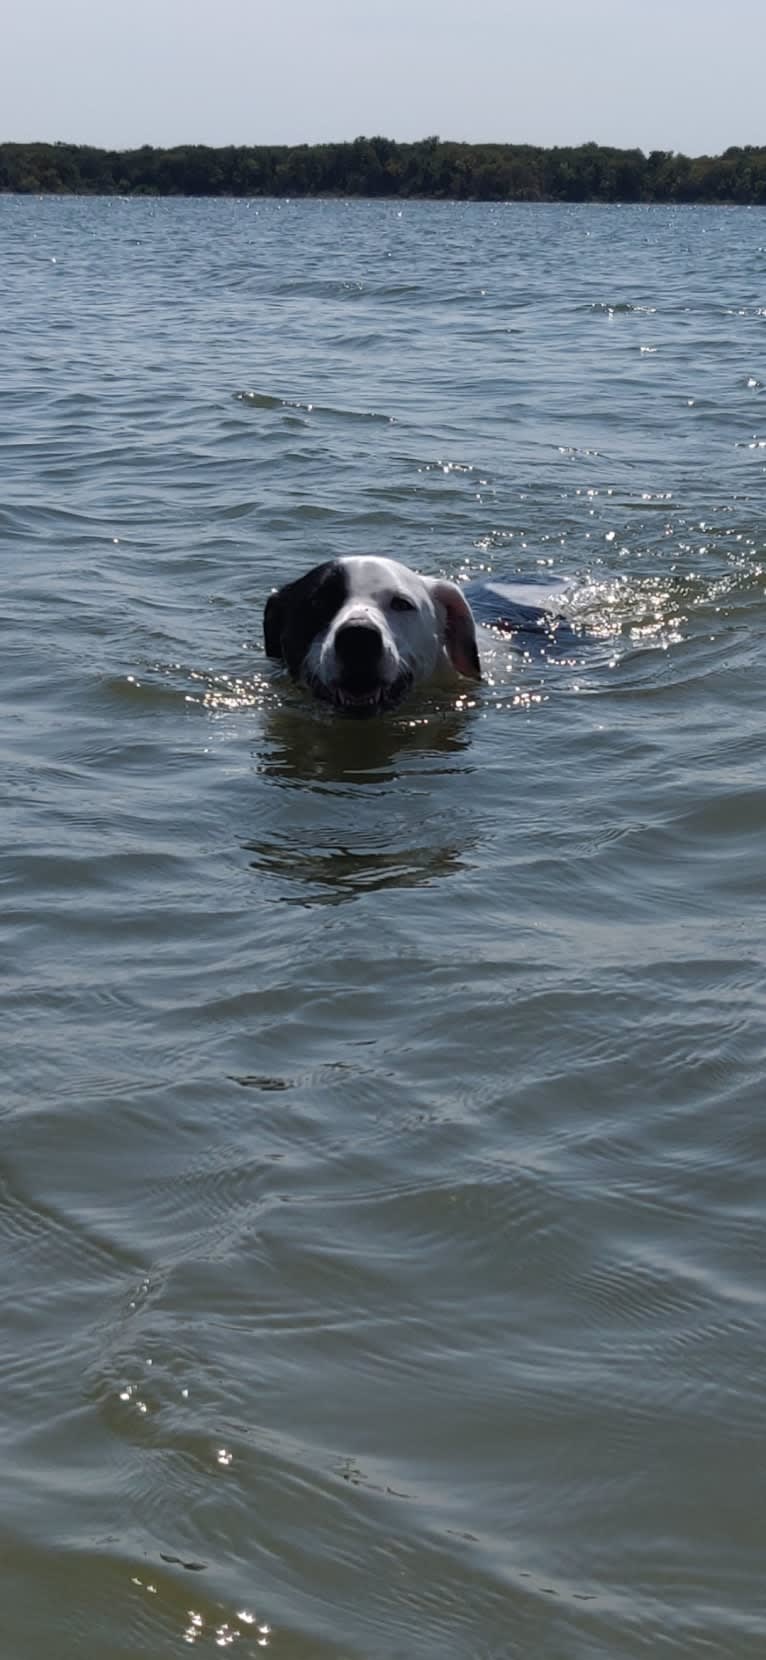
[(361, 632)]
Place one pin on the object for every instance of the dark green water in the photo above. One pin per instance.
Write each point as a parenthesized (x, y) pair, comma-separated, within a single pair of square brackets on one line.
[(383, 1161)]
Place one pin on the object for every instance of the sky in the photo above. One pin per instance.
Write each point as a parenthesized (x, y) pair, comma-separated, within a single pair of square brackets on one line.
[(659, 74)]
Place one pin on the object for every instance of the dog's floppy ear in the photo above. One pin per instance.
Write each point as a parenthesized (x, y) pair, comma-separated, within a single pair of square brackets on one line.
[(273, 624), (459, 629), (302, 609)]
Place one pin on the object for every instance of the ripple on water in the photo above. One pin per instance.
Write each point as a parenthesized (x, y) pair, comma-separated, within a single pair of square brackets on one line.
[(383, 1157)]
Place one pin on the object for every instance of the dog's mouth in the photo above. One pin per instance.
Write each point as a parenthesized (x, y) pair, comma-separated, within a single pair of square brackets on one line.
[(358, 703), (374, 700)]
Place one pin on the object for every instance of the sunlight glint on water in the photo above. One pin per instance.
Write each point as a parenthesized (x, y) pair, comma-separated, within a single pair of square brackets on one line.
[(382, 1189)]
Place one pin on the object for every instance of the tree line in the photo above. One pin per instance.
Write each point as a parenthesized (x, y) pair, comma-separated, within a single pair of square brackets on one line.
[(381, 167)]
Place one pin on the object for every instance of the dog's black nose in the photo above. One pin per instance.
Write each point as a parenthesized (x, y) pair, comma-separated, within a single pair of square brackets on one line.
[(359, 646)]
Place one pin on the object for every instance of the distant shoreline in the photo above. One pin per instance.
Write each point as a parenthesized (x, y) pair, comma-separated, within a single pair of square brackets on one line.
[(432, 168)]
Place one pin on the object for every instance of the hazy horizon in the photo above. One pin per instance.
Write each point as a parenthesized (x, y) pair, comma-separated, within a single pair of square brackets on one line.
[(679, 75)]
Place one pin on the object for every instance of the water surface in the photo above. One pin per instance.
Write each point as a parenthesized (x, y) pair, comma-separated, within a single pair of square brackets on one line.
[(383, 1159)]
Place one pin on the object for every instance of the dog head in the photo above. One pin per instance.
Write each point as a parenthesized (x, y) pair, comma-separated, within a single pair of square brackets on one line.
[(360, 632)]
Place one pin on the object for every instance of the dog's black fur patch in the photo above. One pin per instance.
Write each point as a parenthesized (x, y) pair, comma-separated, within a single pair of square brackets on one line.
[(302, 609)]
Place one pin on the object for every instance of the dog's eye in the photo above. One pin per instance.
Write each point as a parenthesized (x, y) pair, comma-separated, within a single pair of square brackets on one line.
[(400, 603)]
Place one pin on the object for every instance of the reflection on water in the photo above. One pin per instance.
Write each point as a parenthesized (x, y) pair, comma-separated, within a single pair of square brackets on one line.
[(304, 744), (353, 833), (341, 873)]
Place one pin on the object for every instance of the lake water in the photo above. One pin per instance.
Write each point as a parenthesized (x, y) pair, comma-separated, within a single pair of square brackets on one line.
[(383, 1171)]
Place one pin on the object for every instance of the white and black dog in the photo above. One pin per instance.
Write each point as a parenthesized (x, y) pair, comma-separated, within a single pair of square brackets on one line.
[(359, 632)]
